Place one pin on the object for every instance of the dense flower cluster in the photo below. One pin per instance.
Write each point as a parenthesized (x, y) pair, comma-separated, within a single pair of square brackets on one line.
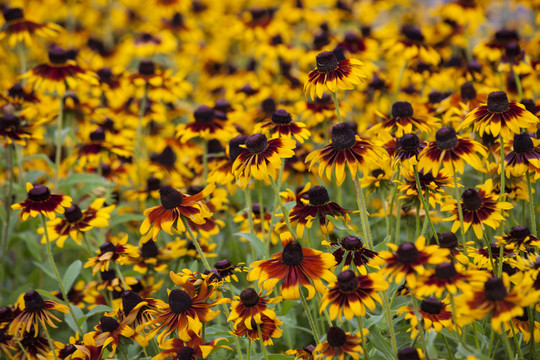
[(168, 161)]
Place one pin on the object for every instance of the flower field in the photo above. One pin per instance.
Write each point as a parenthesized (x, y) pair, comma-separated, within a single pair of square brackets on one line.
[(269, 180)]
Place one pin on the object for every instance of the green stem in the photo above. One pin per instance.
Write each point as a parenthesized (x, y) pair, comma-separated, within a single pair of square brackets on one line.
[(205, 160), (388, 315), (503, 175), (420, 326), (310, 318), (261, 210), (336, 105), (277, 200), (400, 79), (488, 246), (448, 348), (517, 80), (197, 245), (532, 212), (425, 203), (507, 346), (250, 218), (261, 340), (22, 55), (364, 345), (249, 350), (283, 210), (57, 274), (460, 211), (531, 327), (9, 179), (51, 343), (138, 140), (360, 200), (120, 275), (58, 154), (516, 340)]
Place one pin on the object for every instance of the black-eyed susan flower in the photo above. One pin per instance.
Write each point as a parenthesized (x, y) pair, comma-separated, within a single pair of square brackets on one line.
[(295, 265), (186, 311), (14, 129), (522, 325), (479, 208), (193, 349), (113, 250), (519, 239), (250, 305), (40, 201), (353, 250), (174, 206), (405, 119), (431, 187), (408, 260), (331, 75), (269, 329), (89, 350), (346, 148), (208, 124), (34, 312), (451, 152), (6, 344), (410, 44), (281, 124), (33, 347), (77, 221), (434, 314), (525, 156), (494, 297), (21, 30), (350, 295), (406, 150), (499, 116), (317, 207), (262, 158), (59, 74), (302, 354), (109, 331), (447, 277), (338, 344), (228, 270), (136, 311), (146, 256)]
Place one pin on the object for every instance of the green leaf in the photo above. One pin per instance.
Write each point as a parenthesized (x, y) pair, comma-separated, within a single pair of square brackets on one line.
[(288, 206), (287, 305), (217, 330), (272, 357), (77, 179), (257, 244), (98, 309), (380, 343), (123, 218), (71, 274), (340, 225), (79, 315), (47, 294)]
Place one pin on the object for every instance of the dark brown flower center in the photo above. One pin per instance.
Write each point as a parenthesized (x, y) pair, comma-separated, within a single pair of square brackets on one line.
[(147, 68), (223, 265), (256, 143), (375, 173), (152, 184), (494, 289), (149, 249), (39, 193), (11, 14), (68, 350), (343, 136), (520, 232), (326, 62), (292, 254), (108, 324), (166, 158), (431, 306), (185, 353), (105, 75), (73, 214), (130, 299), (108, 275), (347, 281), (234, 146), (318, 195), (179, 301), (446, 138), (524, 317), (336, 337), (402, 109), (512, 50), (505, 36), (33, 301), (448, 240), (203, 114), (57, 55), (468, 92), (352, 243), (249, 297), (10, 122), (523, 143), (446, 270), (412, 33), (497, 102), (269, 105), (6, 314), (408, 353), (281, 116), (107, 247), (309, 348), (409, 142), (223, 105), (170, 198), (471, 200), (407, 253), (97, 135), (529, 104)]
